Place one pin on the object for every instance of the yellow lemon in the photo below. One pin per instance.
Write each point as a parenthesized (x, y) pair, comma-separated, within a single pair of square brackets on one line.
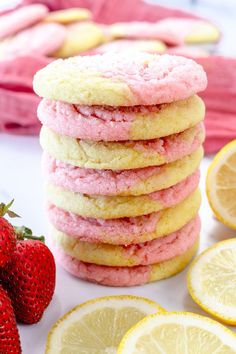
[(97, 326), (221, 185), (212, 280), (178, 333)]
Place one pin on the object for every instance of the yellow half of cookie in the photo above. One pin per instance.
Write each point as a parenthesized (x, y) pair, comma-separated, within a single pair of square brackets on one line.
[(80, 37), (203, 33), (68, 15)]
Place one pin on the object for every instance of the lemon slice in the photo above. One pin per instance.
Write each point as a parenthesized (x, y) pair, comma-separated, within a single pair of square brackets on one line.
[(178, 333), (212, 280), (97, 326), (221, 185)]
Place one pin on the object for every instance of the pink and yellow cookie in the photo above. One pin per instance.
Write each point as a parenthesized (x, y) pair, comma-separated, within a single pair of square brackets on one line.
[(173, 31), (122, 155), (124, 231), (67, 16), (114, 79), (191, 31), (17, 20), (109, 207), (123, 182), (124, 276), (156, 251), (121, 123), (41, 39)]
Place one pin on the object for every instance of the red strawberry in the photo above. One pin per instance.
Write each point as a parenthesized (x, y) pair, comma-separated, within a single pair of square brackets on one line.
[(29, 277), (9, 336), (7, 234)]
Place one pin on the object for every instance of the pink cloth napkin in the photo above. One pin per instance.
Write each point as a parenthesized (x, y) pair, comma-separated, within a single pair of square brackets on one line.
[(18, 102), (220, 100)]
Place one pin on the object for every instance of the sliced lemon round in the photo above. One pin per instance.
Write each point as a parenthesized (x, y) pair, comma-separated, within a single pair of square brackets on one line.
[(97, 326), (212, 280), (178, 333), (221, 185)]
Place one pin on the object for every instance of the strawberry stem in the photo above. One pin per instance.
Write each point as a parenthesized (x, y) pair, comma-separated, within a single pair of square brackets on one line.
[(23, 233), (5, 209)]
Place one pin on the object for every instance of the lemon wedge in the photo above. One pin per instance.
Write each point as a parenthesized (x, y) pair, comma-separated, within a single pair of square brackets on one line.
[(97, 326), (178, 333), (212, 281), (221, 185)]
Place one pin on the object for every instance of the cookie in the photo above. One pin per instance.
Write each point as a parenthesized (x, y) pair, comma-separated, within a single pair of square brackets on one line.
[(17, 20), (173, 31), (124, 182), (122, 155), (41, 39), (126, 231), (105, 123), (156, 251), (120, 80), (150, 46), (80, 37), (191, 31), (67, 16), (107, 207), (124, 276)]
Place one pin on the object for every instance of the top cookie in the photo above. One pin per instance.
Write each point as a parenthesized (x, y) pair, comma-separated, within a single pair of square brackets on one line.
[(125, 79)]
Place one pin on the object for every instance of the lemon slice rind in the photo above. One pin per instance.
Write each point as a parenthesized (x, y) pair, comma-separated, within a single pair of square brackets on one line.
[(147, 326), (221, 311)]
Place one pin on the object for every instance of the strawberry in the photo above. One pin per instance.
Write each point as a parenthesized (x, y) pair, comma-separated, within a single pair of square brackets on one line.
[(9, 336), (29, 277), (7, 234)]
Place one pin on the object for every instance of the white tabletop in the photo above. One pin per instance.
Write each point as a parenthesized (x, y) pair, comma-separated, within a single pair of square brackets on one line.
[(20, 178)]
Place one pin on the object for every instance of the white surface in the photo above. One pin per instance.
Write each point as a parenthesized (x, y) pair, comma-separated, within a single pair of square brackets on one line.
[(20, 178)]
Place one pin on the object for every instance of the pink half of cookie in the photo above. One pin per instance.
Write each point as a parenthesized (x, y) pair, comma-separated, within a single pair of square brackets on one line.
[(153, 79), (107, 182), (90, 122), (21, 18), (99, 230), (153, 252), (110, 276), (145, 30), (41, 39), (91, 181)]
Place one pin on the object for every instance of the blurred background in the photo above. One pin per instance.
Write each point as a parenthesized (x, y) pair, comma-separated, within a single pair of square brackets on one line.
[(34, 33)]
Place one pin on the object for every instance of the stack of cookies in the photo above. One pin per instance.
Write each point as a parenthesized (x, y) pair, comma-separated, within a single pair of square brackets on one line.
[(122, 138)]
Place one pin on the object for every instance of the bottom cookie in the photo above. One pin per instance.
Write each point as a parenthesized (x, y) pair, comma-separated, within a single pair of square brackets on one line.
[(124, 276)]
